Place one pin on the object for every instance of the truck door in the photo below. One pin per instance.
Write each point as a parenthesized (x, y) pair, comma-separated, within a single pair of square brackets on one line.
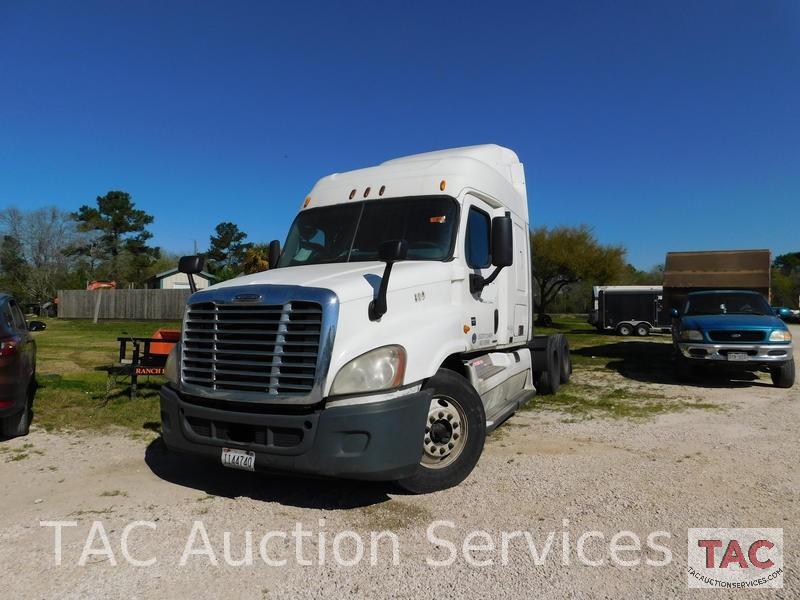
[(482, 314)]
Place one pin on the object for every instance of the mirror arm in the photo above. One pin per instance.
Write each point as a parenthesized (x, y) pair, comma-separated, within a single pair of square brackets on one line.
[(477, 281), (377, 307), (192, 285)]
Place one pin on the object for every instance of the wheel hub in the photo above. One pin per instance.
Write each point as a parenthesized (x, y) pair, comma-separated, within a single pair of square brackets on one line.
[(445, 432)]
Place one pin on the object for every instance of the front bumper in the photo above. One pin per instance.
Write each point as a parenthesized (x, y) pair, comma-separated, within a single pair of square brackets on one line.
[(756, 353), (375, 441)]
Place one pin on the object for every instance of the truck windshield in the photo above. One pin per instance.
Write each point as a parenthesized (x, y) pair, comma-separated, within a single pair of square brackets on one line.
[(352, 232), (727, 304)]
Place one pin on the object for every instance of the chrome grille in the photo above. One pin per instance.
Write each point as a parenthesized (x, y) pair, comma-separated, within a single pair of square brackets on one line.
[(254, 348)]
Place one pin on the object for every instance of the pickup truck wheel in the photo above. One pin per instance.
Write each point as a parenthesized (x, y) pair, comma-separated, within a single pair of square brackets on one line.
[(625, 329), (642, 330), (453, 438), (783, 376), (19, 424), (683, 370)]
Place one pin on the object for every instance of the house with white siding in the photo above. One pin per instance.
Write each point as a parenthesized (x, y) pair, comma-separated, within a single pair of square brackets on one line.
[(173, 280)]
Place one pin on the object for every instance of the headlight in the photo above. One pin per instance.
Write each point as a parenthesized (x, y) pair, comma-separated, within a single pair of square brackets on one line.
[(378, 369), (692, 335), (171, 367), (780, 335)]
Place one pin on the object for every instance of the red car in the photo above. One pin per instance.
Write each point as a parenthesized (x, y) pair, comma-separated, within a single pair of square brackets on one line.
[(17, 368)]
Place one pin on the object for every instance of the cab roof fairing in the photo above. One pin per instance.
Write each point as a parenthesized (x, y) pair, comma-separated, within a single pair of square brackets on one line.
[(420, 175)]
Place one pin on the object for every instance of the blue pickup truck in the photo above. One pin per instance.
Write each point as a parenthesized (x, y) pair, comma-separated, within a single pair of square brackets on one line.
[(738, 329)]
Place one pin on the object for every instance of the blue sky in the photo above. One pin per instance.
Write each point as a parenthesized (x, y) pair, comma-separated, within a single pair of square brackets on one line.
[(664, 125)]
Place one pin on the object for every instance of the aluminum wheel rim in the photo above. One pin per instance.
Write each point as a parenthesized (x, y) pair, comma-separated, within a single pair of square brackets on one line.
[(446, 433)]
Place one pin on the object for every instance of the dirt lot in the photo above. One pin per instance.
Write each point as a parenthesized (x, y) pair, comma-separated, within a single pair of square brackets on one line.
[(720, 455)]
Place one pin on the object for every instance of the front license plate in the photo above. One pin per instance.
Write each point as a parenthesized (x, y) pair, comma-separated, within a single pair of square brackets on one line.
[(737, 356), (238, 459)]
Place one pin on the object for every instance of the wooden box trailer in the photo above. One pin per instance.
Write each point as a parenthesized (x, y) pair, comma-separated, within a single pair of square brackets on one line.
[(686, 272)]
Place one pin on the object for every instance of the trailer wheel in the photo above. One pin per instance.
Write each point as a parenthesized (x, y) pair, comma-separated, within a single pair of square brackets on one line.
[(566, 361), (642, 330), (549, 381), (625, 329), (783, 376), (454, 435)]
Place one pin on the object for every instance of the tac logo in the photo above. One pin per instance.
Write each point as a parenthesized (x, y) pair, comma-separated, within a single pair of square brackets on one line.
[(735, 558)]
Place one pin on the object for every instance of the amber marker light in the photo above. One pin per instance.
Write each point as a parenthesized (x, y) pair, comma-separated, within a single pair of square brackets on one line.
[(352, 194), (442, 185), (307, 201), (380, 191), (366, 192)]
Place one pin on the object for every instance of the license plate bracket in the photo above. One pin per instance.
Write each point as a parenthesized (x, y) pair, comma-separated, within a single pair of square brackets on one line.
[(737, 356)]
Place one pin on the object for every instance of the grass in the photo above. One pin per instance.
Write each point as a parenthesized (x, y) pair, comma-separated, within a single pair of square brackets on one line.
[(72, 385), (640, 361), (73, 395)]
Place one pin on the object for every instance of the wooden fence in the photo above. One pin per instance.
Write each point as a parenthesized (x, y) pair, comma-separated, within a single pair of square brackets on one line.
[(154, 305)]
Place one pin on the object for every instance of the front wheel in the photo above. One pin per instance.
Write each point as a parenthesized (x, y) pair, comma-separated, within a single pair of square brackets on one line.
[(783, 376), (454, 433)]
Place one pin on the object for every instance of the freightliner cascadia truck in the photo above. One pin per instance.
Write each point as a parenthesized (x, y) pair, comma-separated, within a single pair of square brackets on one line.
[(391, 333)]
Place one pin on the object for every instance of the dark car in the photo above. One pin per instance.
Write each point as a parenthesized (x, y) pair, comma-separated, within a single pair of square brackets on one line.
[(17, 368)]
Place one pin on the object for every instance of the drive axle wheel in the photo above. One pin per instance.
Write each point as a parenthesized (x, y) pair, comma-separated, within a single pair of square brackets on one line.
[(452, 436)]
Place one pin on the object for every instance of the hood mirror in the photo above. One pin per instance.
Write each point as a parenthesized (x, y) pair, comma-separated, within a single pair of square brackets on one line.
[(389, 252)]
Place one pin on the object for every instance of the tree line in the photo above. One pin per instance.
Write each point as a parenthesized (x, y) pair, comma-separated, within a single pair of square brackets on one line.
[(42, 251)]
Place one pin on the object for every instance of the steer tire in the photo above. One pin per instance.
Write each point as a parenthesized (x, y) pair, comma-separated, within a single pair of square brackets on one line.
[(549, 381), (453, 396), (19, 424), (783, 376)]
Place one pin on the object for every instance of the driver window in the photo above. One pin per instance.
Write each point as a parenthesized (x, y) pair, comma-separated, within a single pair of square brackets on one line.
[(477, 239)]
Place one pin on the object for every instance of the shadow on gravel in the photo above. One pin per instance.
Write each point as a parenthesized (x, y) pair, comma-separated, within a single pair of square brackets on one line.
[(216, 480), (652, 362)]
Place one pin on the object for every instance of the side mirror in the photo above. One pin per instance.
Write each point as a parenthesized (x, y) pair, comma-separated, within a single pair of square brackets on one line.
[(191, 265), (389, 252), (502, 253), (274, 253), (502, 241), (674, 312), (37, 326)]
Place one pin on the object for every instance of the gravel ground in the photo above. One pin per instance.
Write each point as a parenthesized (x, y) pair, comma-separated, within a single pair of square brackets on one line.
[(540, 473)]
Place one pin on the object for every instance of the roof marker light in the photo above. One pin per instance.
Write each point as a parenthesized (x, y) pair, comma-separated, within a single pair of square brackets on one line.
[(442, 185), (352, 194), (307, 201), (380, 191), (366, 192)]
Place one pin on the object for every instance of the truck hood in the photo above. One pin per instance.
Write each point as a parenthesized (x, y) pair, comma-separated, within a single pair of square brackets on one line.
[(352, 281), (721, 322)]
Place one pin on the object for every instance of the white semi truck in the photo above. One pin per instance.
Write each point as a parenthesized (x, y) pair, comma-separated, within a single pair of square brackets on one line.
[(390, 335)]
